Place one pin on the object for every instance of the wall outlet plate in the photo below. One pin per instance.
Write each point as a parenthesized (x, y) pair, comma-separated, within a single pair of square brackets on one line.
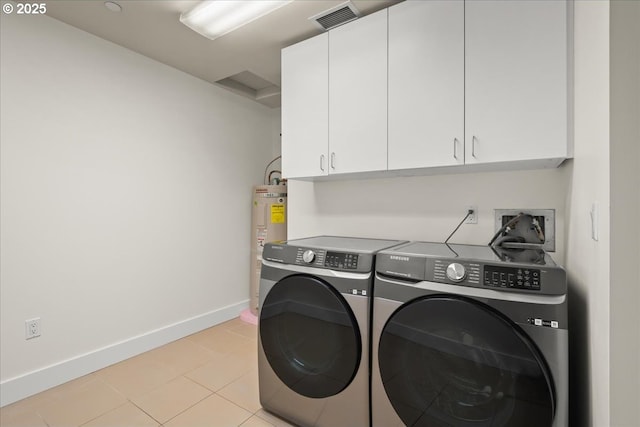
[(473, 218), (32, 328), (546, 219)]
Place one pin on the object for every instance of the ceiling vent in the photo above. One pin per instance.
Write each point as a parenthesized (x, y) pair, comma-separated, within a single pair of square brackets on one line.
[(336, 16), (253, 87)]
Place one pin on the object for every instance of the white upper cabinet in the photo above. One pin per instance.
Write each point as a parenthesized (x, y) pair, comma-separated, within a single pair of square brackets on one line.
[(516, 80), (305, 108), (426, 84), (481, 84), (358, 95)]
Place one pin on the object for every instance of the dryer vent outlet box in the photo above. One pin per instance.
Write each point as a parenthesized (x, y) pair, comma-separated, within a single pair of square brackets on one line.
[(546, 220)]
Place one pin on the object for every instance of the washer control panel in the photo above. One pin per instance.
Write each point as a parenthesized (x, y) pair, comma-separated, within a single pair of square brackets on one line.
[(495, 276), (324, 258), (456, 271), (482, 267), (321, 258), (341, 260), (308, 256), (511, 277)]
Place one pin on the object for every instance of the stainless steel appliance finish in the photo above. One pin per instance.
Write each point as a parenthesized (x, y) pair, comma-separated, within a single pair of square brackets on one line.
[(468, 336), (313, 344)]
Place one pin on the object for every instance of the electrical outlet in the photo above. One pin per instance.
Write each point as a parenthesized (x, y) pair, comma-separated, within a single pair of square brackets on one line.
[(32, 328), (546, 219), (472, 218)]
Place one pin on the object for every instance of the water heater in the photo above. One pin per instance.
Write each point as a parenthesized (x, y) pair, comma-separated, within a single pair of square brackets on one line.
[(269, 224)]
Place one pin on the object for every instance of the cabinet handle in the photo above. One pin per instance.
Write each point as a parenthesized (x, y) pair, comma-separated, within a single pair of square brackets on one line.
[(322, 162), (455, 148), (473, 146), (333, 161)]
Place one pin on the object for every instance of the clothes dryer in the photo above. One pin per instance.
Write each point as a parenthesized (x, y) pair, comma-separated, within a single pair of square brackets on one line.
[(314, 314), (469, 336)]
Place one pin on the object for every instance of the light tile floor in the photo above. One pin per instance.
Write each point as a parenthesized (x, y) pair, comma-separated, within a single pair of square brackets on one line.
[(209, 379)]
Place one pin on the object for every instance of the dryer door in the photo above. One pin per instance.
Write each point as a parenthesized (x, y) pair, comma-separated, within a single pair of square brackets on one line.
[(310, 336), (452, 361)]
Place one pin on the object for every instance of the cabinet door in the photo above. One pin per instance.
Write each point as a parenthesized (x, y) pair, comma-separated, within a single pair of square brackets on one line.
[(426, 84), (516, 80), (305, 115), (358, 95)]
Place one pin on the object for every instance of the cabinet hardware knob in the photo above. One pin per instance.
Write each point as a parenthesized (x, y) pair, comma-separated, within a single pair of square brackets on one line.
[(455, 148), (333, 160), (322, 162)]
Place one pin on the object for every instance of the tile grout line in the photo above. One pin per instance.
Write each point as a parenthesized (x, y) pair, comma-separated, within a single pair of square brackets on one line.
[(211, 393), (39, 414), (148, 414), (110, 410), (235, 404), (160, 423), (225, 385), (59, 396)]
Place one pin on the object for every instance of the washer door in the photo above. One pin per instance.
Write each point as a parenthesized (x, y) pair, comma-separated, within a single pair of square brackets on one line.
[(310, 336), (451, 361)]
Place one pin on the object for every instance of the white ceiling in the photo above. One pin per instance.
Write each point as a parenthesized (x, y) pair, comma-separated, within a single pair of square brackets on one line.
[(152, 28)]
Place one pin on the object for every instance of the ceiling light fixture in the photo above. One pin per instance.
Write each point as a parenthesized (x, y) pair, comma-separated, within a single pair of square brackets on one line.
[(113, 6), (215, 18)]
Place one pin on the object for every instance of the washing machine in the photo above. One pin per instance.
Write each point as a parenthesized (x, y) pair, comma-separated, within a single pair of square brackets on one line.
[(469, 336), (313, 343)]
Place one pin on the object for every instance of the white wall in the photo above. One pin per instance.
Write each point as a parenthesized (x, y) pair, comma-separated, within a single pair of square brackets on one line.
[(125, 202), (424, 207), (276, 143), (587, 260), (625, 211)]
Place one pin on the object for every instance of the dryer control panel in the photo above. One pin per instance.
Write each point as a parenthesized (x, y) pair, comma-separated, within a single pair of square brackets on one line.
[(319, 258), (495, 276), (341, 260), (327, 259), (470, 271), (512, 277), (484, 267)]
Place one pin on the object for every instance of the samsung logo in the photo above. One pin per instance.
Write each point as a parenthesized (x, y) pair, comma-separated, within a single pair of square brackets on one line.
[(399, 258)]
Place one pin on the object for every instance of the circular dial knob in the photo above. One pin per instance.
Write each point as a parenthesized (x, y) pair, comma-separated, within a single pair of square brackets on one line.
[(456, 272), (308, 256)]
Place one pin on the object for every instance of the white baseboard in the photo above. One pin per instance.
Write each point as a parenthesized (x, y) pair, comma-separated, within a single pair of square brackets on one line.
[(34, 382)]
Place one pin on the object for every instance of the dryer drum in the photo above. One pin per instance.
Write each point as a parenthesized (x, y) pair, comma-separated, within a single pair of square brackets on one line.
[(310, 336), (453, 361)]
